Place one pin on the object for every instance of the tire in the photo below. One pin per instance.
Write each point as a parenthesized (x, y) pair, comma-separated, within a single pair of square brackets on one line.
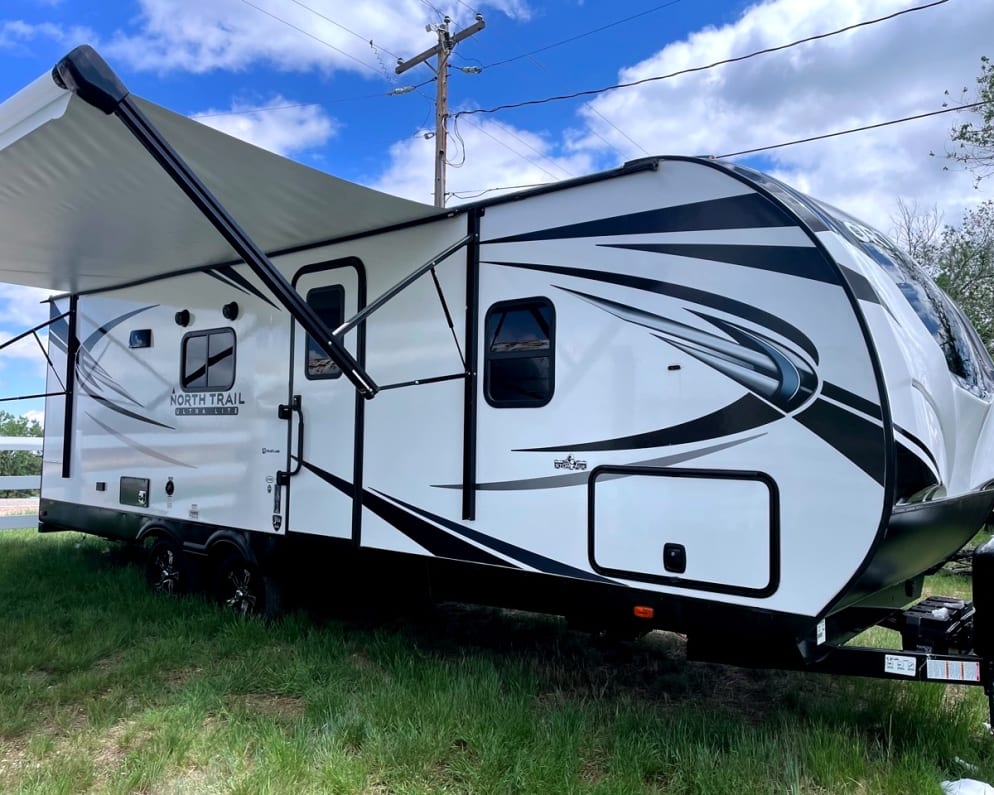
[(240, 586), (165, 569)]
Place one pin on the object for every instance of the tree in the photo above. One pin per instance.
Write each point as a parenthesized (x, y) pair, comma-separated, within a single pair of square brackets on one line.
[(959, 258), (919, 232), (966, 268), (975, 138), (19, 462)]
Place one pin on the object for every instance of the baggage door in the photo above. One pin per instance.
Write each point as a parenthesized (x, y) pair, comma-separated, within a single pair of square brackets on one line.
[(322, 406)]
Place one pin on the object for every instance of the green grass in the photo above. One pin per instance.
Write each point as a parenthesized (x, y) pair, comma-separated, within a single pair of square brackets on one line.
[(106, 688)]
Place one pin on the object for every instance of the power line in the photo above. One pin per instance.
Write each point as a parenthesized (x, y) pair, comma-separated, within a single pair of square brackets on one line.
[(347, 30), (850, 130), (311, 36), (766, 51), (473, 194), (516, 152), (583, 35), (625, 135), (431, 7), (468, 7)]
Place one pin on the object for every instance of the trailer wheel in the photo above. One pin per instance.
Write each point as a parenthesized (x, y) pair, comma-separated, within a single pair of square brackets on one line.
[(240, 585), (164, 568)]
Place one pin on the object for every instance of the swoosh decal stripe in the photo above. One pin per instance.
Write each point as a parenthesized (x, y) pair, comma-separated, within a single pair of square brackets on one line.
[(747, 211), (434, 539), (719, 302), (139, 447), (529, 558), (852, 400), (858, 439), (236, 280), (123, 411), (744, 414), (804, 262), (581, 478)]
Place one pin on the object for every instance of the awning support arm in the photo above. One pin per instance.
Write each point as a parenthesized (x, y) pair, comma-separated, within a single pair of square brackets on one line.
[(87, 75), (403, 284), (33, 330)]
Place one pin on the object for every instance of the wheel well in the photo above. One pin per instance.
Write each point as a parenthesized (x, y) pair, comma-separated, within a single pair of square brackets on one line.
[(151, 532), (224, 543)]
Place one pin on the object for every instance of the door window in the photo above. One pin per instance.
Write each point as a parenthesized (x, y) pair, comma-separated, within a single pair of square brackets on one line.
[(329, 303)]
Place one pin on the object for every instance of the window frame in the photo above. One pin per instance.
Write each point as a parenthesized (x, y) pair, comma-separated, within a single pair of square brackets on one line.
[(339, 290), (549, 353), (206, 333)]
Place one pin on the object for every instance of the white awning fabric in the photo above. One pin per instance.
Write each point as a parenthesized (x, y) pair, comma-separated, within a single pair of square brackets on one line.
[(84, 207)]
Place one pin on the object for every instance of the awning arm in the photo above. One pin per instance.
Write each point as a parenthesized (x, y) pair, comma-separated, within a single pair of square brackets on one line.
[(34, 332), (88, 76), (404, 283)]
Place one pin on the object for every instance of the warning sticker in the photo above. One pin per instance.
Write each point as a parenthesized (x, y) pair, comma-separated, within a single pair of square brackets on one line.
[(899, 664), (954, 670)]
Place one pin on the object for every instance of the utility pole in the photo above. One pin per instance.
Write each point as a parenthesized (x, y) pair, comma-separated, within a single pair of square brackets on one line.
[(446, 43)]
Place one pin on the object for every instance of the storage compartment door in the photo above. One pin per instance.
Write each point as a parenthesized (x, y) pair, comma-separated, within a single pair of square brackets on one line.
[(701, 529)]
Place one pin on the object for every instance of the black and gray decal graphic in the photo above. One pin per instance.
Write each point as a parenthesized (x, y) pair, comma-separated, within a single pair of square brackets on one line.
[(423, 533), (96, 382), (746, 211), (226, 274), (781, 381), (422, 527), (745, 414), (583, 478), (758, 363), (689, 294), (859, 440), (805, 262), (141, 448), (529, 558)]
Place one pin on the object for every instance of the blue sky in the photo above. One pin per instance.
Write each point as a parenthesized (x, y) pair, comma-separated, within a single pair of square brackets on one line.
[(300, 77)]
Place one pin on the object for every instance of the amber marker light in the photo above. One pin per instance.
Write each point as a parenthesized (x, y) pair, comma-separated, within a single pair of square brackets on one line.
[(641, 611)]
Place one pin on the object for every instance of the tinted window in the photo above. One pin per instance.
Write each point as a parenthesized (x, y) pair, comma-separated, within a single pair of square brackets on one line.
[(965, 358), (520, 353), (329, 303), (208, 360)]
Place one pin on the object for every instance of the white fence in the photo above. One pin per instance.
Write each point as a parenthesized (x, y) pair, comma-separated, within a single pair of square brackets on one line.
[(10, 509)]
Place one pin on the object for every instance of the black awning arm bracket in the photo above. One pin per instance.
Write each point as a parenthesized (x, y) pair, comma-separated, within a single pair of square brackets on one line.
[(87, 75)]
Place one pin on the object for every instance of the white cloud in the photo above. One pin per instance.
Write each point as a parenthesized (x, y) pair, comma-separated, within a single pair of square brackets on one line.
[(22, 307), (17, 35), (325, 35), (892, 69), (497, 155), (22, 364), (279, 125)]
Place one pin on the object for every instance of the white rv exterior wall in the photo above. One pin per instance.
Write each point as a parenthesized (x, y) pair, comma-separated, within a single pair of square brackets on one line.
[(616, 377)]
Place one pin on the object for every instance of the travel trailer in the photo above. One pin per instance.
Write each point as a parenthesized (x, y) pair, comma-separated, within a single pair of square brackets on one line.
[(678, 394)]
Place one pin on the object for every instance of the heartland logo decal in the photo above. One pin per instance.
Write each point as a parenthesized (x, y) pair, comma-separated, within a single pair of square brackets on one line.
[(571, 463), (205, 404)]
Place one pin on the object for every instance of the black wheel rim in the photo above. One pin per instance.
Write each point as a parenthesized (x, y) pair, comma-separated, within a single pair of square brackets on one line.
[(240, 590), (164, 574)]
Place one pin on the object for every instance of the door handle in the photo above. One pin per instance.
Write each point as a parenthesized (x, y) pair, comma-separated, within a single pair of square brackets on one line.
[(286, 413)]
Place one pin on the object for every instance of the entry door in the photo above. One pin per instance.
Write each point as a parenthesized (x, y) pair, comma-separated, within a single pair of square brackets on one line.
[(320, 490)]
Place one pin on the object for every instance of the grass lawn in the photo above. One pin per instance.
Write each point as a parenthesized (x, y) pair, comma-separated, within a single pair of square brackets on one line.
[(107, 688)]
